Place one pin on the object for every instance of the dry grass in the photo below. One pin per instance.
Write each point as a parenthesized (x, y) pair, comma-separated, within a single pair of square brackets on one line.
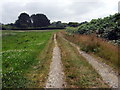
[(98, 47), (79, 73)]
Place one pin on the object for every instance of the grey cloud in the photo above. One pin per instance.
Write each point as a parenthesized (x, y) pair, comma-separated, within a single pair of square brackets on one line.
[(85, 7), (74, 11), (10, 12), (119, 6), (52, 10)]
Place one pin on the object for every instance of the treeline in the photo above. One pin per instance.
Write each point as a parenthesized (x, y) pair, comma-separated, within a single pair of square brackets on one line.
[(25, 21), (35, 21), (107, 27)]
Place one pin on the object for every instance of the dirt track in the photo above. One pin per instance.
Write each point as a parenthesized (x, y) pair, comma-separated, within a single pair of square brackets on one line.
[(56, 74), (106, 72)]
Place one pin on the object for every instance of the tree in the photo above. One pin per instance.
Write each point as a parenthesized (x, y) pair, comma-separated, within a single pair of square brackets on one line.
[(23, 21), (58, 24), (36, 20), (73, 24), (39, 20)]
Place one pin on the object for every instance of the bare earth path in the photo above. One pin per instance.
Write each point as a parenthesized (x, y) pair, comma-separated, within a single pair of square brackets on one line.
[(106, 72), (56, 74)]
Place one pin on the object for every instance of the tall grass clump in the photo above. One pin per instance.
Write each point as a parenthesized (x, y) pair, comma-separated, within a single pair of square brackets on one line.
[(71, 30), (97, 46), (79, 73)]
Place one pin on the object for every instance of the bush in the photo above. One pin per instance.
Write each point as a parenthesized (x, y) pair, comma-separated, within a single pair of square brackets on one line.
[(107, 27)]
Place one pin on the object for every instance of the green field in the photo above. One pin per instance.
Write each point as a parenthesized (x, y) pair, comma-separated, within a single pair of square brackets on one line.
[(27, 55), (20, 53)]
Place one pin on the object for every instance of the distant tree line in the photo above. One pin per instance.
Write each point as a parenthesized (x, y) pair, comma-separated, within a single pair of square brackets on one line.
[(35, 20)]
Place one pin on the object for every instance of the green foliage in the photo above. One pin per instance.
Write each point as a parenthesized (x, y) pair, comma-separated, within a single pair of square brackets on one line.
[(23, 21), (58, 24), (107, 27), (73, 24), (39, 20), (7, 27), (71, 30), (90, 48)]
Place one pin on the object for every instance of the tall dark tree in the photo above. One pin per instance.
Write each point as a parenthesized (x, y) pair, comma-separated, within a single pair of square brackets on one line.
[(39, 20), (23, 21)]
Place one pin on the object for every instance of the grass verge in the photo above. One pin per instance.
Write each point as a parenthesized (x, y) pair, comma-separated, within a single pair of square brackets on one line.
[(79, 73), (97, 46)]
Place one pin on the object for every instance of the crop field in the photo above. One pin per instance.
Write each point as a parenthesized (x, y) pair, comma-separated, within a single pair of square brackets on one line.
[(21, 51)]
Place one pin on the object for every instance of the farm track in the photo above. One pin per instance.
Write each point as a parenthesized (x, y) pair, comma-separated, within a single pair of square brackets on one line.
[(106, 72), (56, 74)]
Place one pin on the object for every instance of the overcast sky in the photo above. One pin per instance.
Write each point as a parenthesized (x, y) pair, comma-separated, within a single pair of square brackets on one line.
[(58, 10)]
